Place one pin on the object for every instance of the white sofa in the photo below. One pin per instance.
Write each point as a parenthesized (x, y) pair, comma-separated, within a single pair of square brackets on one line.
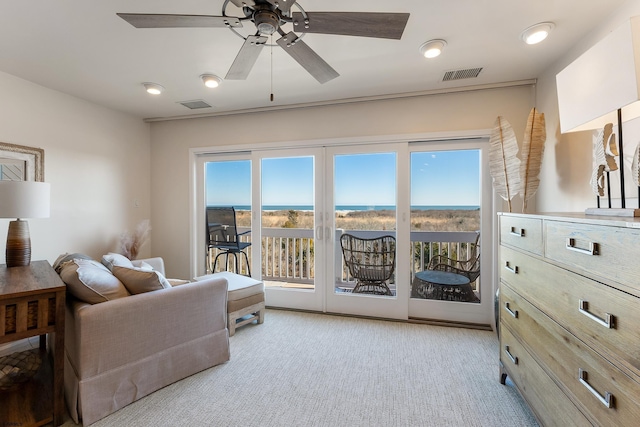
[(128, 346)]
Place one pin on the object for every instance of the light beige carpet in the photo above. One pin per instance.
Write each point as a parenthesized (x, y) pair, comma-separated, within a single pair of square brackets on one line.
[(301, 369)]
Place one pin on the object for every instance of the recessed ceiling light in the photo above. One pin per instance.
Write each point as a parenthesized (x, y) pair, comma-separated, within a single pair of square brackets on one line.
[(537, 33), (432, 48), (153, 88), (211, 80)]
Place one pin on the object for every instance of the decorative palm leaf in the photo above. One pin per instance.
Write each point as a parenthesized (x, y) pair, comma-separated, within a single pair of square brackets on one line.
[(635, 167), (504, 164), (531, 156)]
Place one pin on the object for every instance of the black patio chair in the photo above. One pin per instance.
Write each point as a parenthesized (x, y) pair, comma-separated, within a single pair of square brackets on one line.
[(371, 262), (222, 234)]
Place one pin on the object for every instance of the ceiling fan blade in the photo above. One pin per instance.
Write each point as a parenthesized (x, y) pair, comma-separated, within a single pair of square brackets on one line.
[(150, 20), (283, 5), (241, 3), (362, 24), (306, 57), (246, 58)]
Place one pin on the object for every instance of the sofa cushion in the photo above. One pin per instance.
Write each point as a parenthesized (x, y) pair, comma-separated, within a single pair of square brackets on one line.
[(112, 259), (138, 280), (91, 282)]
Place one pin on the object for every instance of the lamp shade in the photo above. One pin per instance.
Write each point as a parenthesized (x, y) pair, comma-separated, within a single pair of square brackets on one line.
[(24, 199), (601, 81)]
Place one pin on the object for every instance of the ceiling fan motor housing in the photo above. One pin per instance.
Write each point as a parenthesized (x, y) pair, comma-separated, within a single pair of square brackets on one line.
[(267, 21)]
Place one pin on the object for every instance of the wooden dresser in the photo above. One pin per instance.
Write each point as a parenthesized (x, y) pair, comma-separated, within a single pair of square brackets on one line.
[(570, 316)]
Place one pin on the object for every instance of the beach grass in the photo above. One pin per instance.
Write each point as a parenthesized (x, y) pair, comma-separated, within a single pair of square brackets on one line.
[(421, 220)]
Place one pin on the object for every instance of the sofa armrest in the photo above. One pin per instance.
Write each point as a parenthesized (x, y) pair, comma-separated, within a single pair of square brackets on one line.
[(156, 262), (113, 333)]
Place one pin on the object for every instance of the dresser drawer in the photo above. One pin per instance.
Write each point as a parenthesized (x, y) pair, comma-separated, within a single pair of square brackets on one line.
[(586, 377), (603, 317), (608, 252), (523, 233), (537, 388)]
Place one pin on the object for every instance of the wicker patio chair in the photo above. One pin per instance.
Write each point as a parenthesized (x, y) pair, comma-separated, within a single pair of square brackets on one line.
[(371, 262), (469, 268)]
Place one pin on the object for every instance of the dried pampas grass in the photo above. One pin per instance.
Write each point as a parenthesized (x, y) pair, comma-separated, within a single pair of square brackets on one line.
[(130, 244)]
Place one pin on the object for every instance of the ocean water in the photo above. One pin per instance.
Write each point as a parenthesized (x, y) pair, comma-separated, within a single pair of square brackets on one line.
[(362, 207)]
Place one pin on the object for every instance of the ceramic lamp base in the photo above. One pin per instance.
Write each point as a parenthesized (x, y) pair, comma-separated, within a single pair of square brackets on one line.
[(18, 253)]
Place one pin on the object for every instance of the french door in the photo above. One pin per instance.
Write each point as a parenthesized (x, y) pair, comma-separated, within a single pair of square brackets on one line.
[(301, 201), (451, 216), (364, 198), (289, 225)]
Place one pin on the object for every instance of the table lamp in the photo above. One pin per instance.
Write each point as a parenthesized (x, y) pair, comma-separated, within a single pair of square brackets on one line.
[(22, 199), (603, 86)]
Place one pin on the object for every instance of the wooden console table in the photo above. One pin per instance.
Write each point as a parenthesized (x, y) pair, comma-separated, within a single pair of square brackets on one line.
[(32, 302)]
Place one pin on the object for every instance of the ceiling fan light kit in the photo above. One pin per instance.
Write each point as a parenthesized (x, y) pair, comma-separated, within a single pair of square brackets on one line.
[(268, 17), (153, 88), (537, 33), (432, 48), (210, 80)]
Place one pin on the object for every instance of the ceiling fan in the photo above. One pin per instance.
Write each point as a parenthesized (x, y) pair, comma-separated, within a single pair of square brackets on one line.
[(269, 16)]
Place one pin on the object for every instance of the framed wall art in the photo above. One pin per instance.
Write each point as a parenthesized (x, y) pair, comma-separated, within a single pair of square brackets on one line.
[(21, 163)]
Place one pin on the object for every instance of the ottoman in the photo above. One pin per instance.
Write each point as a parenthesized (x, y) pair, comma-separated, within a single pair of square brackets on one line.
[(245, 300)]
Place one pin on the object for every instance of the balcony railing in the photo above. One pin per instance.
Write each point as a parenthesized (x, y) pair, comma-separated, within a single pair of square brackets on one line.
[(288, 253)]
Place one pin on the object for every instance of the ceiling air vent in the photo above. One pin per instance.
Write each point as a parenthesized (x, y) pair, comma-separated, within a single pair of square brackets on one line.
[(194, 105), (468, 73)]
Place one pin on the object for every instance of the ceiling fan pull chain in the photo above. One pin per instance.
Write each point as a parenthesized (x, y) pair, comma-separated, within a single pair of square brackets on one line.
[(271, 50)]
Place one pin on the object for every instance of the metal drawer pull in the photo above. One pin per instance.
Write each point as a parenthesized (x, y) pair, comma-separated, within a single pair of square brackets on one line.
[(513, 358), (514, 313), (510, 269), (607, 322), (516, 232), (607, 400), (571, 245)]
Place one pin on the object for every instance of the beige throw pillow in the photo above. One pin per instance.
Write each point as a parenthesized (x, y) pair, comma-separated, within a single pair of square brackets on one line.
[(138, 280), (91, 282)]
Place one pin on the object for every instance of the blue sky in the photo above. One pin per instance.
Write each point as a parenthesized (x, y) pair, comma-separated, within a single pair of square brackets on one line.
[(437, 178)]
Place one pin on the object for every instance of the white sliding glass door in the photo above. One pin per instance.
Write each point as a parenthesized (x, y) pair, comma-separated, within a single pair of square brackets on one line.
[(430, 199), (363, 193), (289, 227), (450, 227)]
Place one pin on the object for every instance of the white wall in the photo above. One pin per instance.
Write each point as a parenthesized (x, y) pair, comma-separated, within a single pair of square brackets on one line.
[(97, 161), (171, 141), (567, 163)]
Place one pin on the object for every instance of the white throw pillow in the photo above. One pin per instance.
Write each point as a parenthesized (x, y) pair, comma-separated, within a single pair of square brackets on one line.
[(141, 265), (112, 259), (91, 282), (138, 280)]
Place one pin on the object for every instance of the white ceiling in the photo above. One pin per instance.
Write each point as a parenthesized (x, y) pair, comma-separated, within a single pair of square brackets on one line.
[(82, 48)]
